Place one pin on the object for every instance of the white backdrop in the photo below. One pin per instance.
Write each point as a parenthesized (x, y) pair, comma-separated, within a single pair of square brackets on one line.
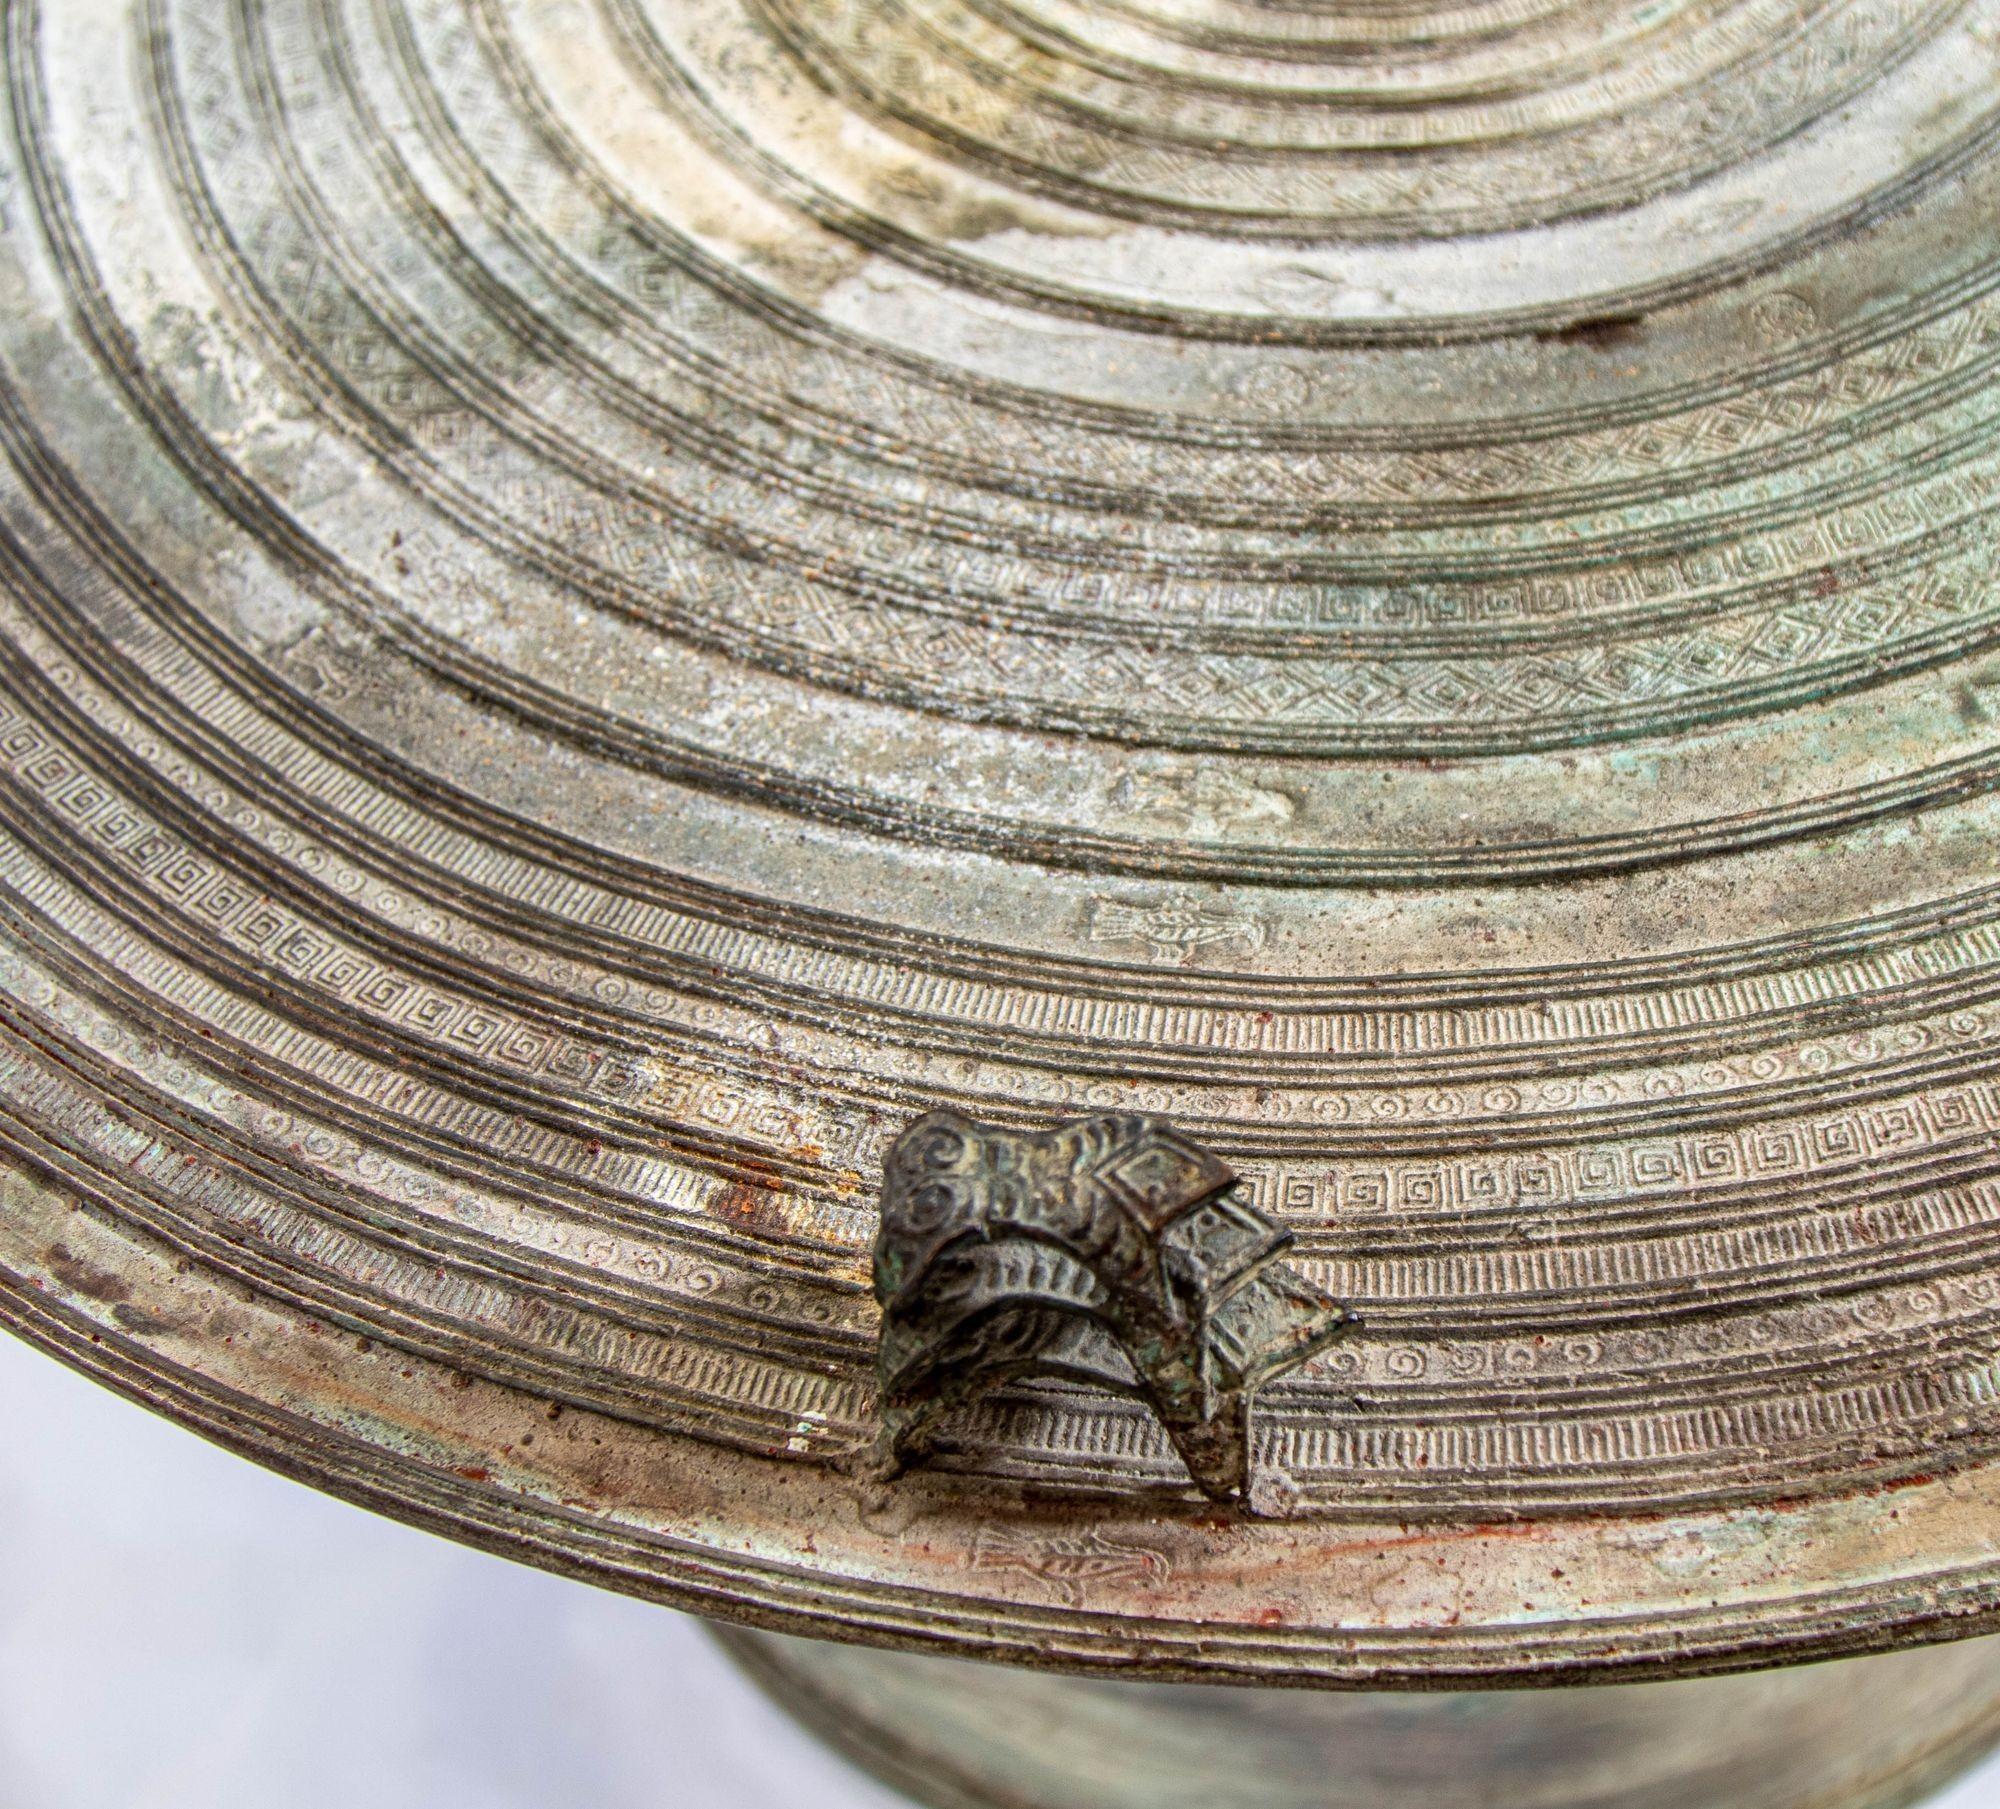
[(180, 1630)]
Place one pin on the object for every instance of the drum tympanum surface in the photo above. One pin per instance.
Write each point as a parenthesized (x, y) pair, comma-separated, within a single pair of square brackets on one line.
[(606, 603)]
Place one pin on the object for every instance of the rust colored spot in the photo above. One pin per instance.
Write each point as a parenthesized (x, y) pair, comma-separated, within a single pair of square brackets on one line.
[(85, 1278), (757, 1210)]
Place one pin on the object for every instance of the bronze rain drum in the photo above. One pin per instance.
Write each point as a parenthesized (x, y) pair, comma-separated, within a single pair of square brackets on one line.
[(1354, 644)]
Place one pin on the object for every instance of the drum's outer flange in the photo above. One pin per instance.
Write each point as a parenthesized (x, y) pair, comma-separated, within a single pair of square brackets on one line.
[(1193, 1595)]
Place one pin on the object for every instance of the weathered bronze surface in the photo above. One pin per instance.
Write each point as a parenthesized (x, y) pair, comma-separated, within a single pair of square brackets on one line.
[(1111, 1251), (1861, 1733), (604, 603)]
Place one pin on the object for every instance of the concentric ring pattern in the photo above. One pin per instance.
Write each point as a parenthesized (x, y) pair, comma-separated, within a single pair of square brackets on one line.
[(601, 601)]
